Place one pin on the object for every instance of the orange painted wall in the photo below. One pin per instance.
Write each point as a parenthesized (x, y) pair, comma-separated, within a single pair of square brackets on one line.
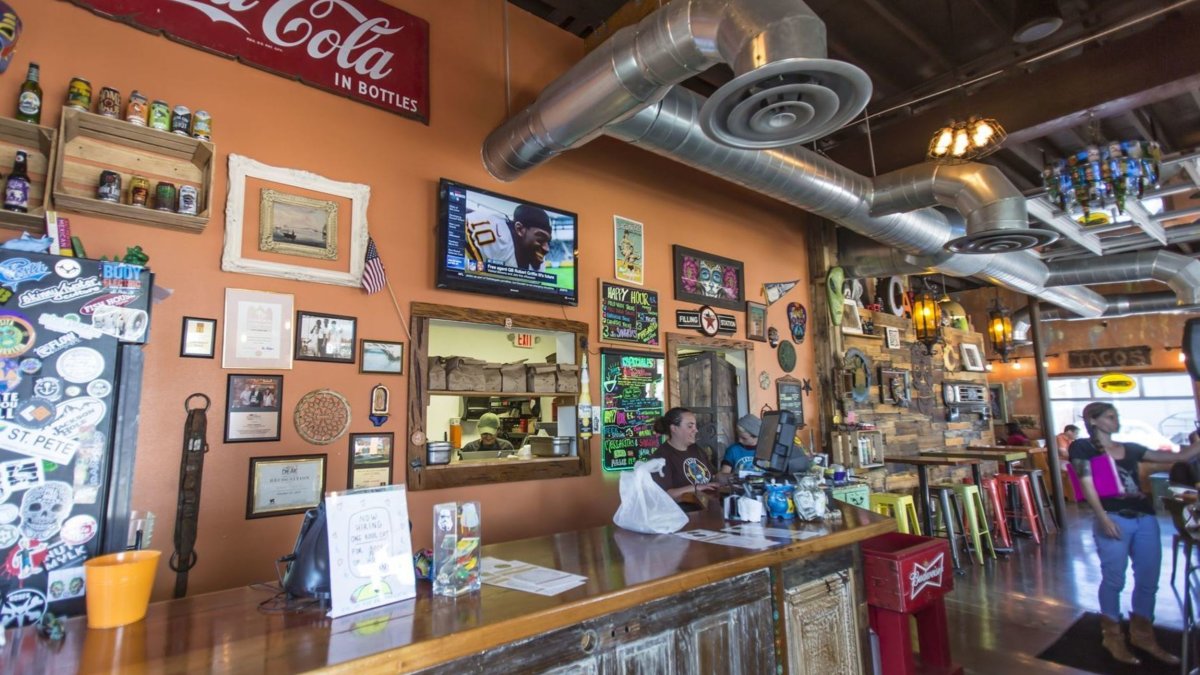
[(284, 123)]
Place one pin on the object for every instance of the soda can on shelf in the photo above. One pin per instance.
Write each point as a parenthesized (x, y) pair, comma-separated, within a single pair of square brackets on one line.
[(109, 102), (164, 196), (188, 200), (109, 189), (138, 110), (181, 120), (79, 94), (160, 116), (139, 191), (202, 125)]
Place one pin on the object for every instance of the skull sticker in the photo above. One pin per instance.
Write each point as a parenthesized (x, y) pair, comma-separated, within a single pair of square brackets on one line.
[(44, 508)]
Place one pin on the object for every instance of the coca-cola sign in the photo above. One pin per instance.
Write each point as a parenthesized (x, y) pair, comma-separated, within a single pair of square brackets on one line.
[(363, 49)]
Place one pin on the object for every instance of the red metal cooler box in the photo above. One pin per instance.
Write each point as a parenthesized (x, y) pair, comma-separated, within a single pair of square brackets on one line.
[(906, 572)]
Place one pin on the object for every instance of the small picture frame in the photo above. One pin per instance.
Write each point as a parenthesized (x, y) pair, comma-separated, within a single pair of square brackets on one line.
[(380, 400), (756, 321), (851, 320), (293, 224), (893, 337), (198, 338), (998, 402), (280, 486), (972, 359), (370, 460), (325, 337), (381, 356), (252, 408)]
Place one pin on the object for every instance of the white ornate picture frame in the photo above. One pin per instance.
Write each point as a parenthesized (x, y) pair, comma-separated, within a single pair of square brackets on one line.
[(240, 169)]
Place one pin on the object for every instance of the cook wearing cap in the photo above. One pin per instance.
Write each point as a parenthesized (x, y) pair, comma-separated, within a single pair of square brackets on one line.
[(740, 455), (531, 235), (488, 427)]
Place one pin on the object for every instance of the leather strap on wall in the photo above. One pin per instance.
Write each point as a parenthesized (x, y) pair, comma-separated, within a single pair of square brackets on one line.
[(187, 510)]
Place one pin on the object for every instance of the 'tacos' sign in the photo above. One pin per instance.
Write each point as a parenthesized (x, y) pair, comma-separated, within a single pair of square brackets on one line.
[(1116, 357)]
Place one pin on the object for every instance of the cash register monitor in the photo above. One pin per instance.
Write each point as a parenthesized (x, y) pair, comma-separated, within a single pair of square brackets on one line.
[(776, 440)]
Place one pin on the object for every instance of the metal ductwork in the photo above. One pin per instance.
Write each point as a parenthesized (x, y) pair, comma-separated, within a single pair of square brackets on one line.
[(785, 90), (1158, 302), (1180, 272)]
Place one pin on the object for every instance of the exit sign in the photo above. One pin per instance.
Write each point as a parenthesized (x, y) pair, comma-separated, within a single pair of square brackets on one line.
[(523, 340)]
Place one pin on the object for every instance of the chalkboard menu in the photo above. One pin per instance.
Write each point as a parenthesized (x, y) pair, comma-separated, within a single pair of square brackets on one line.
[(628, 314), (791, 397), (632, 392)]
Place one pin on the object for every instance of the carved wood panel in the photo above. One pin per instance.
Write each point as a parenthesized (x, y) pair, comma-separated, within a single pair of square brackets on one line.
[(822, 627)]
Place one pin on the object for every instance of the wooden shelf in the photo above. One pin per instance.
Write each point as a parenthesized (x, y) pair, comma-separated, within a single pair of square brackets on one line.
[(39, 144), (503, 394), (89, 144)]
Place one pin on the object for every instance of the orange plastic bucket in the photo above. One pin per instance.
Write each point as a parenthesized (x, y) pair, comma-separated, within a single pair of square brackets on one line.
[(118, 587)]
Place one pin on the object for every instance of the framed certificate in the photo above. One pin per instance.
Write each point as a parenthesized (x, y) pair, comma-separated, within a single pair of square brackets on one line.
[(284, 485), (252, 408), (198, 338), (258, 330), (370, 462)]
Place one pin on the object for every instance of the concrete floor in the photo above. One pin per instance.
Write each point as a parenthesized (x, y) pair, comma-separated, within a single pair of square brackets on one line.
[(1003, 614)]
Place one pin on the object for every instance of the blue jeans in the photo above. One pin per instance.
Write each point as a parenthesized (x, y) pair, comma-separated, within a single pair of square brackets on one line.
[(1140, 541)]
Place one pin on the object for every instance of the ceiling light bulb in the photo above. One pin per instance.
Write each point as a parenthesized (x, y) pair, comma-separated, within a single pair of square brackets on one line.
[(983, 134), (988, 367), (960, 143), (945, 138), (1045, 364), (1016, 365), (1182, 357)]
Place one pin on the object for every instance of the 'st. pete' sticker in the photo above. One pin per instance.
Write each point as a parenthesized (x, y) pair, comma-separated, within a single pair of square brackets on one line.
[(16, 334), (35, 413), (99, 388), (80, 364), (68, 268), (78, 530), (49, 388), (39, 443), (16, 271)]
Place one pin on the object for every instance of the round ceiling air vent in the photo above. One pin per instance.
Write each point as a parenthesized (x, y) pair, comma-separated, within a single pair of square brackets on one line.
[(787, 102), (1002, 241)]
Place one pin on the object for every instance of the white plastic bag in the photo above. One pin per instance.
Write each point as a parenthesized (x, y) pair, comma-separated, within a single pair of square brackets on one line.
[(646, 507)]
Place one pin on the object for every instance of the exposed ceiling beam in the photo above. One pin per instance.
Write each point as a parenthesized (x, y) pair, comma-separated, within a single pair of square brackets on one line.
[(1044, 211), (839, 49), (987, 10), (1149, 66), (911, 33), (1192, 169), (1145, 221)]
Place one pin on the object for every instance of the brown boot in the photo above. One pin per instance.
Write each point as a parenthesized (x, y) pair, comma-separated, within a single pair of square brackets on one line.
[(1141, 635), (1114, 641)]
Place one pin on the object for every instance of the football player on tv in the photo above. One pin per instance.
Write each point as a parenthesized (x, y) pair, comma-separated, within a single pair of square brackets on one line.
[(522, 241)]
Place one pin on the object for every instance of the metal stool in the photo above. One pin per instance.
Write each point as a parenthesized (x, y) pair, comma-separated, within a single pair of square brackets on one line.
[(998, 520), (1023, 493), (1041, 498), (945, 512), (900, 507), (974, 518)]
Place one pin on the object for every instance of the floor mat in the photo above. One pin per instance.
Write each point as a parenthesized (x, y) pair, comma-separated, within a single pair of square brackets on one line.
[(1079, 647)]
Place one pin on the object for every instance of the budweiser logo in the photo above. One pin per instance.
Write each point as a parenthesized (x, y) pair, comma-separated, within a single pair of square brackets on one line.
[(926, 575), (305, 24)]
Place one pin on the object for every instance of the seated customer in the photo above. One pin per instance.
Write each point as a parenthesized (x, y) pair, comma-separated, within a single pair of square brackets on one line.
[(740, 455), (1065, 439), (488, 428), (1015, 435), (688, 469)]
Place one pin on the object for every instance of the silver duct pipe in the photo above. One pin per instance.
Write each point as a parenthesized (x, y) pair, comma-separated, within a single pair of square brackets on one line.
[(1158, 302), (785, 91), (1180, 272), (816, 184)]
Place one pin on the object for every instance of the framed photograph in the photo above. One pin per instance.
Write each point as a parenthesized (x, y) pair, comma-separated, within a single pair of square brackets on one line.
[(258, 330), (297, 225), (851, 319), (370, 460), (998, 402), (708, 279), (294, 210), (756, 321), (380, 356), (325, 337), (893, 337), (252, 408), (198, 338), (630, 251), (972, 359), (284, 485)]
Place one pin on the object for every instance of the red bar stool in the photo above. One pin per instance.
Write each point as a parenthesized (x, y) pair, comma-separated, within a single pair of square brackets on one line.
[(1023, 492), (997, 506)]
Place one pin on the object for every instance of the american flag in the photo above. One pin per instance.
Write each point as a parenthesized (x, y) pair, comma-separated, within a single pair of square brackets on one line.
[(374, 278)]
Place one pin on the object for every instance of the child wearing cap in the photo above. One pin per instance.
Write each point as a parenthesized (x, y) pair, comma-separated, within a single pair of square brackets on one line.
[(740, 455)]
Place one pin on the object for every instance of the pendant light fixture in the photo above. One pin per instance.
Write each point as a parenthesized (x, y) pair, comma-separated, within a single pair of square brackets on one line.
[(927, 320), (1000, 329), (958, 142)]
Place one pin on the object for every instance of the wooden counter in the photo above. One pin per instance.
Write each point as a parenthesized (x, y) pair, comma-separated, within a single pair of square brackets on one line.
[(225, 631)]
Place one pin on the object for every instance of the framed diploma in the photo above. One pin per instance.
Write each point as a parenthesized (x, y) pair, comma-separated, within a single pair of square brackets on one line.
[(258, 330), (198, 338), (370, 460), (252, 408), (284, 485)]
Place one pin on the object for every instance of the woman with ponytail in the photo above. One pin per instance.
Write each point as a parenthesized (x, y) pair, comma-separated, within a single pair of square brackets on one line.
[(1125, 528), (689, 468)]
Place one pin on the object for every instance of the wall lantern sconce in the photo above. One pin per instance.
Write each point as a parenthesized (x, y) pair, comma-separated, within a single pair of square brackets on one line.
[(927, 321), (1000, 330)]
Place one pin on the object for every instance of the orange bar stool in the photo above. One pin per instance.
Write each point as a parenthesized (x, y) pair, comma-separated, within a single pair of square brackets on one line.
[(997, 506), (900, 507), (1041, 499), (1023, 493)]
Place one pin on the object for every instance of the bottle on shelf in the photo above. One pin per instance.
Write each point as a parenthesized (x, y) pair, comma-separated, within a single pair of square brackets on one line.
[(16, 188), (585, 402), (29, 101)]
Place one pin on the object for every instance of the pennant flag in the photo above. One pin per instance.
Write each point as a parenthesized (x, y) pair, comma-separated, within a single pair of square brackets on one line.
[(374, 278), (776, 290)]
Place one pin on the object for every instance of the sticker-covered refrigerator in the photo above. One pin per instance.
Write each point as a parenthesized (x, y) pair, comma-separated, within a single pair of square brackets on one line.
[(71, 331)]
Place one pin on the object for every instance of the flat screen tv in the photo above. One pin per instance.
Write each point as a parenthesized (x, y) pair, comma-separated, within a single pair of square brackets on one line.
[(497, 245)]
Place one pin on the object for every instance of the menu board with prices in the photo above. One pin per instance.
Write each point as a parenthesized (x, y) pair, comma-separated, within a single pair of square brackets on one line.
[(790, 392), (633, 392), (628, 315)]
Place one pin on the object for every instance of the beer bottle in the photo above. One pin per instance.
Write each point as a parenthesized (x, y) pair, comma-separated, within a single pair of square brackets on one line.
[(16, 188), (29, 102), (585, 402)]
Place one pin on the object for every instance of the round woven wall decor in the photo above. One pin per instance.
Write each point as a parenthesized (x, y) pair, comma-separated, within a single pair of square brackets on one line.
[(322, 416)]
